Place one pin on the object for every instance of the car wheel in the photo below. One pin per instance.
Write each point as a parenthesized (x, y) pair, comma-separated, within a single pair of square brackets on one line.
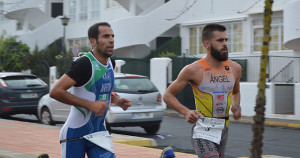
[(46, 117), (151, 129)]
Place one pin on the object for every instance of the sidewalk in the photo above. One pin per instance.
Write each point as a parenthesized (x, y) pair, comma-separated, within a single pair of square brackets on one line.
[(28, 140)]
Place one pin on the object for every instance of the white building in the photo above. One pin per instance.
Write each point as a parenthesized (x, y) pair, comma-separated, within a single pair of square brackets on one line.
[(139, 25)]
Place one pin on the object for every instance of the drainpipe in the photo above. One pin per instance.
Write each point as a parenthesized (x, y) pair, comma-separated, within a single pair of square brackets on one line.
[(25, 24), (132, 7)]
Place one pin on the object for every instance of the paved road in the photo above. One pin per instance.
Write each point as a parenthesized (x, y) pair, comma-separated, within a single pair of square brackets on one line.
[(176, 132)]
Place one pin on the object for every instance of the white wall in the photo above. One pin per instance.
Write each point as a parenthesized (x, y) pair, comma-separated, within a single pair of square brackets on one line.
[(44, 35), (79, 29), (297, 100), (248, 100), (249, 92), (292, 26), (158, 74), (16, 5), (9, 27)]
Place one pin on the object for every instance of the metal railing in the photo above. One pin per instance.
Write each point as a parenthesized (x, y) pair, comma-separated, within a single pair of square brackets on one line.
[(279, 68), (285, 74)]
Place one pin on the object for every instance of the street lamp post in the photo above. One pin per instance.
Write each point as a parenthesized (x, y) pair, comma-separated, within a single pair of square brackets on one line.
[(64, 21)]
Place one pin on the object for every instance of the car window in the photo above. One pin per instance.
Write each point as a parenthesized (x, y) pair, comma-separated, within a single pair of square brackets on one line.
[(134, 85), (22, 81)]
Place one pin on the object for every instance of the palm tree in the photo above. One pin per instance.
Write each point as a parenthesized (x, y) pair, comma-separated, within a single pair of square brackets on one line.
[(259, 118)]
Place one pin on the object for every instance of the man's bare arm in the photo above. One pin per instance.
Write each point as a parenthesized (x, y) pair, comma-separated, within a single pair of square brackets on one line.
[(169, 96), (59, 92), (185, 76), (236, 109)]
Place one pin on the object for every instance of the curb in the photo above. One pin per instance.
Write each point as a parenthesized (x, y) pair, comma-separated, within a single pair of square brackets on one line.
[(137, 142), (133, 140), (283, 124), (13, 154)]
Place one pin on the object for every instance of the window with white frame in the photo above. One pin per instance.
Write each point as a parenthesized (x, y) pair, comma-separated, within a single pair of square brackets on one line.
[(193, 41), (276, 33), (83, 10), (196, 46), (95, 9), (72, 10), (112, 4), (234, 33)]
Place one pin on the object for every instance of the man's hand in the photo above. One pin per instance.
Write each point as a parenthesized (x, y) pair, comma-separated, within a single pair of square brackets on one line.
[(236, 111), (99, 107), (192, 116), (123, 103)]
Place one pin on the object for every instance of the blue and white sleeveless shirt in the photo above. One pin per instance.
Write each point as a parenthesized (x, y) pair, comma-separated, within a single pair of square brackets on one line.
[(82, 121)]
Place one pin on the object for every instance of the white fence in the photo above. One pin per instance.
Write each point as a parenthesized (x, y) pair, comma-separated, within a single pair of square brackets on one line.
[(273, 105)]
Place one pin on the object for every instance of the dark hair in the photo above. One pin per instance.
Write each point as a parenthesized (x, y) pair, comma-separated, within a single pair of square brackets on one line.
[(93, 31), (207, 32)]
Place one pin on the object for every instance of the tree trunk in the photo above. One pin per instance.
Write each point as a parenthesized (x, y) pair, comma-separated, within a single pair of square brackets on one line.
[(259, 118)]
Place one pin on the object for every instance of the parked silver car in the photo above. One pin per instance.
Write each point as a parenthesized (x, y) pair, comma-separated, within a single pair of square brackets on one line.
[(146, 110)]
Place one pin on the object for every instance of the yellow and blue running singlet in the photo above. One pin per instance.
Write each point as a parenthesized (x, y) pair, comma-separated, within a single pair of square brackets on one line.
[(213, 95), (213, 99)]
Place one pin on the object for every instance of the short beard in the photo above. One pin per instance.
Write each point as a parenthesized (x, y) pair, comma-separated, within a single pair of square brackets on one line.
[(106, 55), (218, 55)]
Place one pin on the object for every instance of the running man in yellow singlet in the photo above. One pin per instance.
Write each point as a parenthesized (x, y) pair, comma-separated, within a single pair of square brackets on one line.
[(215, 82)]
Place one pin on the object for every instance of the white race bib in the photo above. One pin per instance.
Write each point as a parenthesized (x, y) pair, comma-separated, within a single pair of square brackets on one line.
[(102, 139), (209, 128)]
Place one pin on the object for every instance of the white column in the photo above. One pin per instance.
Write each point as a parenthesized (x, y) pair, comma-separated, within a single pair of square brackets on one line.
[(296, 65), (119, 64), (297, 100), (52, 77), (184, 32), (132, 7), (28, 71), (25, 26), (159, 72)]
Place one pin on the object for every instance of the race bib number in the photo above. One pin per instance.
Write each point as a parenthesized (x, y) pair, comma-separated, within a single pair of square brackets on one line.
[(102, 139), (209, 128)]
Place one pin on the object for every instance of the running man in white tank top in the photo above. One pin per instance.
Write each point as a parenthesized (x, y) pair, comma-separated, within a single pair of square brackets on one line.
[(216, 86), (91, 78)]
